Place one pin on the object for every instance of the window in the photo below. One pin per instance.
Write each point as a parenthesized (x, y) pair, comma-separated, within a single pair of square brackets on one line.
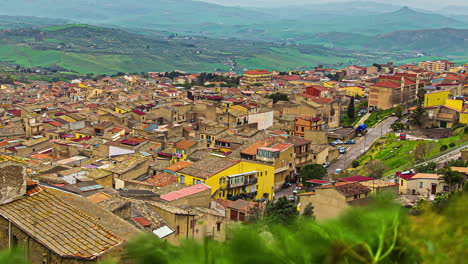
[(182, 179), (178, 230), (356, 196), (302, 129), (421, 185), (199, 182), (194, 181), (401, 182), (218, 227)]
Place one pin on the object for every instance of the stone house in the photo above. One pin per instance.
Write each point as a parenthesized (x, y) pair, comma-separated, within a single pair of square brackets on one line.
[(331, 200)]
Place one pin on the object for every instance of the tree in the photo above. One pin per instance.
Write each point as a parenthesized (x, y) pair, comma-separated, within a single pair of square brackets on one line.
[(351, 109), (309, 211), (278, 97), (255, 213), (452, 177), (281, 211), (378, 66), (399, 110), (355, 163), (313, 171), (418, 116), (397, 126), (375, 168), (430, 167), (422, 150)]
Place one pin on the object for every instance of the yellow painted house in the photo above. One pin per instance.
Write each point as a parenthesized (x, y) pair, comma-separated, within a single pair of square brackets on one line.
[(436, 98), (454, 103), (354, 91), (120, 110), (181, 150), (464, 115), (231, 178)]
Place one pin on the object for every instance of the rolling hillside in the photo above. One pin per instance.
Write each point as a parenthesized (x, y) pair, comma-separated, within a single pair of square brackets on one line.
[(90, 49)]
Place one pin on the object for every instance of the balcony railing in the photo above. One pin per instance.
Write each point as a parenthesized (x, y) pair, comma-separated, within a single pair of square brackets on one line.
[(240, 184)]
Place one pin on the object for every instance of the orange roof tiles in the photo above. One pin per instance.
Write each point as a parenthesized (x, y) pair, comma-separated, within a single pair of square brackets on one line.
[(179, 166), (386, 84), (99, 197), (162, 179), (252, 149), (185, 144)]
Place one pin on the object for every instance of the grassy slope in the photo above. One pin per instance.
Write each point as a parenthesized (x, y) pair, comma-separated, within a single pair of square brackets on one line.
[(398, 155)]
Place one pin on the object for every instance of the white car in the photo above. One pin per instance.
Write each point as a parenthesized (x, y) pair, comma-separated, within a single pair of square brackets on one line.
[(326, 164), (338, 171)]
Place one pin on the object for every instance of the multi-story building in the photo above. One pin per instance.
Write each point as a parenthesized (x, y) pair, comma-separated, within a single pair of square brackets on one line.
[(305, 123), (257, 76), (390, 91), (230, 178), (437, 66)]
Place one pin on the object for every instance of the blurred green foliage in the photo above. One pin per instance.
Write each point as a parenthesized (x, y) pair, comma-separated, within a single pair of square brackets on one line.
[(382, 232)]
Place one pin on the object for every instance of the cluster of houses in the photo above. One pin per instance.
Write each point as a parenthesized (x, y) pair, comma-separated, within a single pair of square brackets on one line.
[(88, 165)]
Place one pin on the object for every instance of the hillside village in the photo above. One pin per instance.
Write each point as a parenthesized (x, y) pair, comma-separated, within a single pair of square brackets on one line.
[(89, 164)]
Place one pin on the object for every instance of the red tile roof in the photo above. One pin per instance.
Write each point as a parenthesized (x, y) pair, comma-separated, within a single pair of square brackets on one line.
[(258, 72), (386, 84), (184, 192), (162, 179), (142, 221), (185, 144), (357, 178), (179, 166)]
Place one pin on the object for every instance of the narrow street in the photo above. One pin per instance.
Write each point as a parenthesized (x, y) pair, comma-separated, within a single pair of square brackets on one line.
[(361, 146)]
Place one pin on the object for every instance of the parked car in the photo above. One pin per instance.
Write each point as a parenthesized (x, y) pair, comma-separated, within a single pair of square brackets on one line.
[(342, 150), (291, 198), (338, 171), (351, 141), (326, 164), (286, 185), (297, 190), (336, 142)]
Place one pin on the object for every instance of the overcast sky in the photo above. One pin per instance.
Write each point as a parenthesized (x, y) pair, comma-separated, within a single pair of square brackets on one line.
[(426, 4)]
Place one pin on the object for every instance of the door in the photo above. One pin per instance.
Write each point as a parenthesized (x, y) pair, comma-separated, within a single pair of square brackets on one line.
[(443, 124), (433, 189)]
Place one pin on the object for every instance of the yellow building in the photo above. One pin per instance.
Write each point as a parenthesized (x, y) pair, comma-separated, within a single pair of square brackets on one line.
[(231, 178), (257, 76), (437, 66), (120, 110), (182, 149), (464, 115), (454, 103), (354, 91), (436, 98)]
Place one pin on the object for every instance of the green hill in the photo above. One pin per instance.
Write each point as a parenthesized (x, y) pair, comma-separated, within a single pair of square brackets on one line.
[(90, 49), (15, 22)]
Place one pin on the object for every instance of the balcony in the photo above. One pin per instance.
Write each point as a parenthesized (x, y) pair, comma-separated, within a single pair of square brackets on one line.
[(239, 184)]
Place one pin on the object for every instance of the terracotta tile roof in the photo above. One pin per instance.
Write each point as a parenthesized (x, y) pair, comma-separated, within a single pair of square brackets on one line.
[(258, 72), (59, 226), (185, 192), (378, 184), (252, 149), (427, 176), (99, 197), (206, 168), (351, 189), (357, 178), (185, 144), (179, 165), (386, 84), (162, 179), (142, 221)]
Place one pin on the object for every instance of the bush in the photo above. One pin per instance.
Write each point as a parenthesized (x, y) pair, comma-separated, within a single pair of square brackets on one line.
[(443, 148), (355, 163), (452, 145)]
